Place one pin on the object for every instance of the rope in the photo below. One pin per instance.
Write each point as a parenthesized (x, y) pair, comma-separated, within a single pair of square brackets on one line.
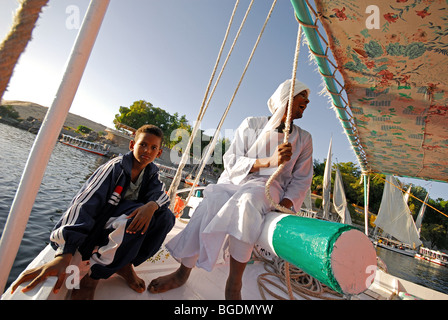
[(176, 180), (221, 122), (285, 140), (17, 39), (287, 126), (301, 283)]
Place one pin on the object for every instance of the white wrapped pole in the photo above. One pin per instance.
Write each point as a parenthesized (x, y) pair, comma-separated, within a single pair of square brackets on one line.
[(46, 138)]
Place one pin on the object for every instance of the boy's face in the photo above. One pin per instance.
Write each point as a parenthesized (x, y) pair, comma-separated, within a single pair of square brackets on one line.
[(146, 147)]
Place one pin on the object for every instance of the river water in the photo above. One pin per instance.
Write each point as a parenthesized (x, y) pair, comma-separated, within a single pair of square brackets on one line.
[(69, 168), (418, 271)]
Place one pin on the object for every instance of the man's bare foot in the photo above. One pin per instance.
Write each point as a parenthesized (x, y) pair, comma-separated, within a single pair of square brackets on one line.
[(86, 289), (234, 282), (233, 291), (128, 273), (171, 281)]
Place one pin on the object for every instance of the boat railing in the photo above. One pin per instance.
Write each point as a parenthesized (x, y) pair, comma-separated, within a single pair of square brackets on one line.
[(169, 170), (434, 254), (85, 144)]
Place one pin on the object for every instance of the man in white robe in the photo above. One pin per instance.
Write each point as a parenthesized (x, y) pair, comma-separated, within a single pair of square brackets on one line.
[(232, 212)]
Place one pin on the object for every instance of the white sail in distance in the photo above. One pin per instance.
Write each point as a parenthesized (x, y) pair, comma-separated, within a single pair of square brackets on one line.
[(327, 185), (339, 199), (394, 216), (421, 213)]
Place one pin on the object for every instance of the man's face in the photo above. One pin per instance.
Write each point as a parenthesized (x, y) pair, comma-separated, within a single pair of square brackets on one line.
[(299, 105)]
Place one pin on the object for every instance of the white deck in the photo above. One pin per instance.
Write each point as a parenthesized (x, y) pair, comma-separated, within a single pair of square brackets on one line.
[(203, 285)]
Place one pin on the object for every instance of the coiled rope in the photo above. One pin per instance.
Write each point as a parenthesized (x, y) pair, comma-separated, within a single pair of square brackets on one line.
[(297, 281)]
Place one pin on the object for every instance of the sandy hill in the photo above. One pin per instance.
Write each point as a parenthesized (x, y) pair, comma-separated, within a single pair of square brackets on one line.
[(30, 109)]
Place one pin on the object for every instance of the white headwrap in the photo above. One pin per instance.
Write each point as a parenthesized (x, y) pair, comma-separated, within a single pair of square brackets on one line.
[(277, 104)]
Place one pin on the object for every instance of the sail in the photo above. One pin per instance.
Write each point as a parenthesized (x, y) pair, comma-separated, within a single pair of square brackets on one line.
[(406, 195), (418, 222), (307, 203), (394, 216), (339, 199), (327, 185)]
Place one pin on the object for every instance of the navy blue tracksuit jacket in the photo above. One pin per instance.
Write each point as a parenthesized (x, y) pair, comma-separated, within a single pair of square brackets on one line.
[(96, 220)]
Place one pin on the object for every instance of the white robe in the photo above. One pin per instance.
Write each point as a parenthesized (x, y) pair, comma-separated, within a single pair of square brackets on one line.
[(237, 204)]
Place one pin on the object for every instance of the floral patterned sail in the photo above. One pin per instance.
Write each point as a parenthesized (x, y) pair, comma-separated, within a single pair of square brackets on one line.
[(393, 57)]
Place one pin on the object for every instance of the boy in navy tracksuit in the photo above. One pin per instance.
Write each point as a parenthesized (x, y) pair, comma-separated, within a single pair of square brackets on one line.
[(118, 219)]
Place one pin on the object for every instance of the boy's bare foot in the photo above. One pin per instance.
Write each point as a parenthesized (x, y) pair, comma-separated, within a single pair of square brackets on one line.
[(128, 273), (86, 289), (171, 281)]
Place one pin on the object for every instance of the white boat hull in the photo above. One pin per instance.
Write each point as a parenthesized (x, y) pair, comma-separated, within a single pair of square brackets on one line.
[(407, 252)]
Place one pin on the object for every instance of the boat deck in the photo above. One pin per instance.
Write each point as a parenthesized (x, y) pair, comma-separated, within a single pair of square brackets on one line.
[(204, 285)]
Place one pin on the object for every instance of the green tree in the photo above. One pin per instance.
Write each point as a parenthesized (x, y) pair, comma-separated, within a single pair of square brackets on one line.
[(436, 234), (142, 112), (83, 129)]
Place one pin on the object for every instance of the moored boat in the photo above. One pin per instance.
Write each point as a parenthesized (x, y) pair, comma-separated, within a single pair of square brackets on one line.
[(433, 256), (395, 246), (92, 147)]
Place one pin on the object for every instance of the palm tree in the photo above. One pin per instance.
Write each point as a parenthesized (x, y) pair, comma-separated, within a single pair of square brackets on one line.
[(16, 41)]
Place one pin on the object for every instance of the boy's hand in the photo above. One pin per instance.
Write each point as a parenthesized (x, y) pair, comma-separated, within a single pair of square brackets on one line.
[(55, 267), (142, 217)]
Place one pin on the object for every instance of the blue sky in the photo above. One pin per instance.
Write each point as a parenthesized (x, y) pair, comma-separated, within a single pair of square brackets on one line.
[(163, 52)]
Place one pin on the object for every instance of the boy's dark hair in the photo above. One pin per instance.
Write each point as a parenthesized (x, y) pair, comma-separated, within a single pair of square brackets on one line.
[(152, 129)]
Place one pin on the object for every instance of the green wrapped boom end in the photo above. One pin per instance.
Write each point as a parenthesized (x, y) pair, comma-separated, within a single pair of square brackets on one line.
[(337, 255)]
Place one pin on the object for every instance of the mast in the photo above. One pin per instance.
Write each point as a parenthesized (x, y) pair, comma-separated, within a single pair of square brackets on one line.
[(47, 136), (366, 203)]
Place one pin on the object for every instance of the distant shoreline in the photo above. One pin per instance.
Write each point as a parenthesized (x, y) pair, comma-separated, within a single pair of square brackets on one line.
[(29, 109), (36, 111)]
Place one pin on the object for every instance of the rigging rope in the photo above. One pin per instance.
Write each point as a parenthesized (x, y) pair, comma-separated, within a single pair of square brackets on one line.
[(300, 283), (176, 180), (287, 125), (18, 38), (221, 122), (285, 140)]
